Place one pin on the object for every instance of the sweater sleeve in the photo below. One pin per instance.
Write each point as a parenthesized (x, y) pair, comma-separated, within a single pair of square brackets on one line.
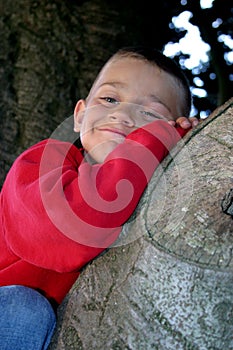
[(59, 211)]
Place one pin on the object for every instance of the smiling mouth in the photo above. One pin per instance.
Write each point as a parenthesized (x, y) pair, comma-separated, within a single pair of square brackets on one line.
[(114, 131)]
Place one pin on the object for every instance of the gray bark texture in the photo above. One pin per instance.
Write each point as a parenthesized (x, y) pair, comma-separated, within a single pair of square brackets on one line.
[(168, 281)]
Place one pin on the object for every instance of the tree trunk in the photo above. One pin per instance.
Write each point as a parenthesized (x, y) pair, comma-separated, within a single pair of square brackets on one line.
[(167, 283)]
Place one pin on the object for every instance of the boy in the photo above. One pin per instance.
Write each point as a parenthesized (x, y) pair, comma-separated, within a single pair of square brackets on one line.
[(62, 206)]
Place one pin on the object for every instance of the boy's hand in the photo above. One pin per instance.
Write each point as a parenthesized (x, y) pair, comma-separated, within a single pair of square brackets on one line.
[(184, 122)]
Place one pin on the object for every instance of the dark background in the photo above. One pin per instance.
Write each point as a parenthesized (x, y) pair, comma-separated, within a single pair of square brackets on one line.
[(51, 50)]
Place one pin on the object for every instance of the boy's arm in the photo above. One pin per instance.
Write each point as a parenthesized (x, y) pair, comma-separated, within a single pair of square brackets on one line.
[(110, 192), (86, 203)]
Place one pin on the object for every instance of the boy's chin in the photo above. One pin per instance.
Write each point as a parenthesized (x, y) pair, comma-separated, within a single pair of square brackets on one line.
[(101, 152)]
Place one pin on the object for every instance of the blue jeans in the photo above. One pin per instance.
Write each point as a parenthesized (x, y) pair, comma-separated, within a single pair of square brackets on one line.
[(27, 320)]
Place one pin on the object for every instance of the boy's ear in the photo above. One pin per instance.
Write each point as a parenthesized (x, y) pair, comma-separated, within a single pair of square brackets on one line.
[(79, 114)]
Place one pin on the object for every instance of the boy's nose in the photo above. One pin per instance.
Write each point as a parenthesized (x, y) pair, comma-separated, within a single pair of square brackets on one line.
[(122, 115)]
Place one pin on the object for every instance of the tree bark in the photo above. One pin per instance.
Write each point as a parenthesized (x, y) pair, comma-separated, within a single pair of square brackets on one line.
[(167, 282)]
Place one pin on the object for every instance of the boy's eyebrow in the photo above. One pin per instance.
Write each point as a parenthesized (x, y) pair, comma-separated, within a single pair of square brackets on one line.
[(113, 83)]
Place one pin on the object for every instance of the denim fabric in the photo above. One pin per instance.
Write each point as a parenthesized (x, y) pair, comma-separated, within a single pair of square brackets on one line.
[(27, 320)]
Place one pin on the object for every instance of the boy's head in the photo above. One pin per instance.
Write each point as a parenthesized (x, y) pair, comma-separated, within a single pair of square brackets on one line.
[(135, 87)]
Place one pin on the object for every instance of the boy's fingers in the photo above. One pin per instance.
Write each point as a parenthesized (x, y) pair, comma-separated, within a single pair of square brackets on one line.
[(194, 121), (186, 123)]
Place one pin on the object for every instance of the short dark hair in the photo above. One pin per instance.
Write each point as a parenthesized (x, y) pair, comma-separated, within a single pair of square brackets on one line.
[(165, 63)]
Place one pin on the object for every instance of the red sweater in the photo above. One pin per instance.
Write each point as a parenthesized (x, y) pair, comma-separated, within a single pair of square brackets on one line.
[(58, 212)]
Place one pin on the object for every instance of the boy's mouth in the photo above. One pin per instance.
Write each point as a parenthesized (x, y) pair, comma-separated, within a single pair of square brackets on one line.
[(114, 131)]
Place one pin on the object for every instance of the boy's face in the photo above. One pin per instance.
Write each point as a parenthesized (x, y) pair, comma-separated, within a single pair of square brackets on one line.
[(128, 94)]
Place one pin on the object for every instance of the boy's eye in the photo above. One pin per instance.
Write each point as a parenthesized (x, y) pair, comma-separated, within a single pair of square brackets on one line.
[(110, 100)]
